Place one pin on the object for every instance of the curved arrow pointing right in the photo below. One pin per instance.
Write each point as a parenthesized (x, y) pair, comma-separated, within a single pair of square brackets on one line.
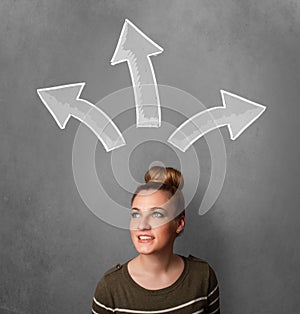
[(237, 113)]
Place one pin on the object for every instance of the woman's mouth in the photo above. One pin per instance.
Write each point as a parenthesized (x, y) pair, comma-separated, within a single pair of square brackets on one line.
[(145, 238)]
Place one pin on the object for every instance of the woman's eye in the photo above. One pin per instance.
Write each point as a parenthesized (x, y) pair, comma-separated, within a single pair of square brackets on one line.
[(158, 215), (135, 214)]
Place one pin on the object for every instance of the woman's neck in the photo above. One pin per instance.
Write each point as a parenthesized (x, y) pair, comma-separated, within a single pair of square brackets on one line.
[(156, 263), (155, 271)]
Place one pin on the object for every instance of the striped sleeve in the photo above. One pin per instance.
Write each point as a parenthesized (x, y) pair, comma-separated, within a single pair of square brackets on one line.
[(102, 300), (213, 301)]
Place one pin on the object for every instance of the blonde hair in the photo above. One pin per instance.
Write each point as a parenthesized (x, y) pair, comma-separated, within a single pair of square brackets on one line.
[(167, 176), (164, 179)]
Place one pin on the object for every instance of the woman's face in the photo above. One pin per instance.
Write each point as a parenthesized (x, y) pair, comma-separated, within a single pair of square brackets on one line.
[(152, 226)]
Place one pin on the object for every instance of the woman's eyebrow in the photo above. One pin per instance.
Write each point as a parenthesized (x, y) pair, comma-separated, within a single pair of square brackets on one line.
[(151, 209), (157, 207)]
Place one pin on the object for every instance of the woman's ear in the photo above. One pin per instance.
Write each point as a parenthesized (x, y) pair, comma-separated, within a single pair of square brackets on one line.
[(180, 224)]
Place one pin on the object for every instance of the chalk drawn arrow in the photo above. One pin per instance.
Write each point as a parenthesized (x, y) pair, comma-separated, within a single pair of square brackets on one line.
[(237, 113), (135, 48), (64, 101)]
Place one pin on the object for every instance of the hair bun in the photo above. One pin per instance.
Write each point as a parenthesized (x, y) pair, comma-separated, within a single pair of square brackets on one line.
[(168, 176)]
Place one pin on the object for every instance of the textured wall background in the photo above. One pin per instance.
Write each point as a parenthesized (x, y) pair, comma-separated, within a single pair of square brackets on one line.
[(53, 250)]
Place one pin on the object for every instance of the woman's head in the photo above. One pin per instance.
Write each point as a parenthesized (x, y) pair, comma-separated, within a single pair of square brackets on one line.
[(157, 211), (167, 179), (162, 183)]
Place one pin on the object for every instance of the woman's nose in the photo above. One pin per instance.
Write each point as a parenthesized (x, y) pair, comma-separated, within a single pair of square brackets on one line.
[(144, 223)]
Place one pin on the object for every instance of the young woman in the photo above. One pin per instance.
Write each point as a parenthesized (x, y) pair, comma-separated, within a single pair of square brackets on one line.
[(157, 280)]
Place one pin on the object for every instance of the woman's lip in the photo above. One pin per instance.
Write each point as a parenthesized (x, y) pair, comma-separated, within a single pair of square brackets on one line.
[(145, 237)]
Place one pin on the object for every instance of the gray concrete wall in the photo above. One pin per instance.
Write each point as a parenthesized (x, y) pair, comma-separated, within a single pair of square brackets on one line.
[(53, 250)]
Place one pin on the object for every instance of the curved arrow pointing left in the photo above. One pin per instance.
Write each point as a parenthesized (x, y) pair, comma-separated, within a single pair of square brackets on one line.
[(64, 101)]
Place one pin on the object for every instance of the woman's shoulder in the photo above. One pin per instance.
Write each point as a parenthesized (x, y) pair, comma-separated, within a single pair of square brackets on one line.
[(196, 261), (199, 265), (113, 272), (109, 281), (200, 268), (111, 278)]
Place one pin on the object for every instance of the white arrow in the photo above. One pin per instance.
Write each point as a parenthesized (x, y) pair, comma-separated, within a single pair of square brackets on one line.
[(64, 101), (135, 48), (237, 113)]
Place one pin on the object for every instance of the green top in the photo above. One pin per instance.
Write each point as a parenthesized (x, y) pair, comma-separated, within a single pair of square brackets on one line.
[(195, 291)]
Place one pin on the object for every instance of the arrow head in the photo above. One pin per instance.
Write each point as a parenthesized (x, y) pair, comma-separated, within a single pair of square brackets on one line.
[(240, 113), (59, 100), (133, 41)]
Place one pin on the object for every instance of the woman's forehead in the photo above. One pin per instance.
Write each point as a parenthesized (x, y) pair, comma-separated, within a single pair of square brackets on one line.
[(152, 198)]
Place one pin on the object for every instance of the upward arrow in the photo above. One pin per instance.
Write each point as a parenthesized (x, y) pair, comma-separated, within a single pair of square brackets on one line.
[(64, 101), (237, 113), (135, 48)]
